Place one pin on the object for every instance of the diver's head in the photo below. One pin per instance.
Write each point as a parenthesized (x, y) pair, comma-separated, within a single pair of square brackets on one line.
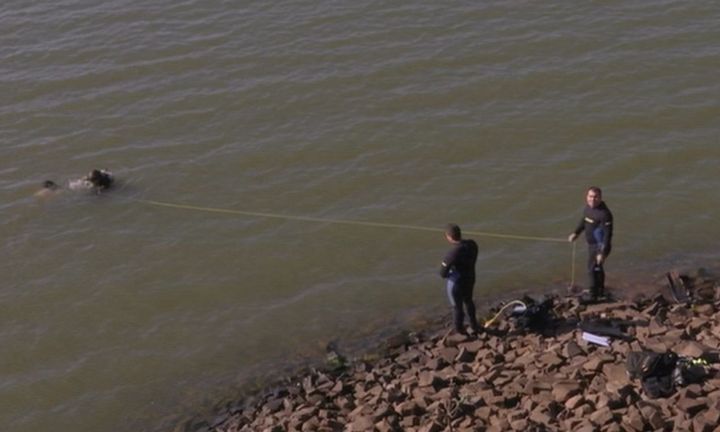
[(453, 233), (49, 184), (593, 197), (94, 177), (100, 179)]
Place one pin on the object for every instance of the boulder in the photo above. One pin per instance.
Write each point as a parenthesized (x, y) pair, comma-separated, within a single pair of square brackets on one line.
[(551, 361), (431, 427), (572, 350), (712, 416), (564, 390), (691, 406), (574, 402), (428, 378), (652, 415), (464, 355), (519, 425), (616, 377), (540, 417), (595, 363), (707, 309), (633, 420), (701, 424), (691, 349), (448, 353), (362, 424)]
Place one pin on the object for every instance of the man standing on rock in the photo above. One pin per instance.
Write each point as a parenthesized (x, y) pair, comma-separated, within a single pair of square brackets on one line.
[(597, 222), (458, 268)]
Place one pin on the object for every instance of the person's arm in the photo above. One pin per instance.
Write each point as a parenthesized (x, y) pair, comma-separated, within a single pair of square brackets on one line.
[(448, 262), (580, 228)]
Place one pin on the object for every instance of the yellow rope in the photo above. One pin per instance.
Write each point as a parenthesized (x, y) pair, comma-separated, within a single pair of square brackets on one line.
[(345, 222), (489, 322), (572, 267)]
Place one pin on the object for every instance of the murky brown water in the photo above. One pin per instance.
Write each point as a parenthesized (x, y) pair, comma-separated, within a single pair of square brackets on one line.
[(115, 314)]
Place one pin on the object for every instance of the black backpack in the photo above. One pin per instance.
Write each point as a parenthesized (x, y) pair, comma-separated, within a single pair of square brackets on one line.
[(536, 317), (644, 364), (655, 371), (658, 386)]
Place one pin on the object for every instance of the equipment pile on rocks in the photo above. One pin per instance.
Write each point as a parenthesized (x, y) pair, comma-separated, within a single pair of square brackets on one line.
[(505, 380)]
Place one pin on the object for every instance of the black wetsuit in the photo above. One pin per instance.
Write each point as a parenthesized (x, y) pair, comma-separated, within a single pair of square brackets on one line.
[(598, 226), (458, 268)]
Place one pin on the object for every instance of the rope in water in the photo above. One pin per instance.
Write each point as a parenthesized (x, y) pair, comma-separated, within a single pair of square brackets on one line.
[(364, 223), (344, 221)]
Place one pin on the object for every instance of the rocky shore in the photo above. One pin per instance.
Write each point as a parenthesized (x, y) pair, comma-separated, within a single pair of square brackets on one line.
[(505, 379)]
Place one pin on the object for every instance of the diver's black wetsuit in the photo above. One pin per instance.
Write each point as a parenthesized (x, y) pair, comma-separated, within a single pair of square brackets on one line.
[(458, 268), (598, 226)]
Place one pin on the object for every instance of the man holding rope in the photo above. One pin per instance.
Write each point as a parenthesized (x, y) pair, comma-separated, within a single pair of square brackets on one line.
[(597, 222), (458, 268)]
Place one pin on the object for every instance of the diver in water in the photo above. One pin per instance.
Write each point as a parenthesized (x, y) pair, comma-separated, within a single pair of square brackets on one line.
[(49, 189), (97, 180)]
